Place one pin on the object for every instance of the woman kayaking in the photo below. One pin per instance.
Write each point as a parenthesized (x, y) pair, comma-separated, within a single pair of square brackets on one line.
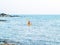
[(29, 23)]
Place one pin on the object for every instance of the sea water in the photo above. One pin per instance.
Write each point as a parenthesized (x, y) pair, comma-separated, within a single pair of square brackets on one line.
[(45, 30)]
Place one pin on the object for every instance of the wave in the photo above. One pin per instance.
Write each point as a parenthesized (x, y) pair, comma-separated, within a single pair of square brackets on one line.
[(29, 42)]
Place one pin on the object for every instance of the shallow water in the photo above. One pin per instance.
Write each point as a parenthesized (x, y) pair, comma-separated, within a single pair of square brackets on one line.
[(45, 30)]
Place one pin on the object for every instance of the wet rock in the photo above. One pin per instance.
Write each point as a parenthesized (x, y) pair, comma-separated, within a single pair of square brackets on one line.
[(3, 20)]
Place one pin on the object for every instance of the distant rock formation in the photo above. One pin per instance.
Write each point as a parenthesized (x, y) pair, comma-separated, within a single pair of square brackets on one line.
[(3, 14), (7, 15)]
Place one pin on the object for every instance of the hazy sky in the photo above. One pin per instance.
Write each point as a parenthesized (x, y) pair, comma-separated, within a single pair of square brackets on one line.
[(30, 6)]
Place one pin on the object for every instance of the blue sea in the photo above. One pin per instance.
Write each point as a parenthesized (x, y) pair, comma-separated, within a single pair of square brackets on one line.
[(45, 30)]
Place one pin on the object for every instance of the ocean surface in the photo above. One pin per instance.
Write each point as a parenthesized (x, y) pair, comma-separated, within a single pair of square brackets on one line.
[(45, 30)]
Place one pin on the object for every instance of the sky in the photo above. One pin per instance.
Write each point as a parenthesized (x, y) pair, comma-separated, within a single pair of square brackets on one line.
[(30, 6)]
